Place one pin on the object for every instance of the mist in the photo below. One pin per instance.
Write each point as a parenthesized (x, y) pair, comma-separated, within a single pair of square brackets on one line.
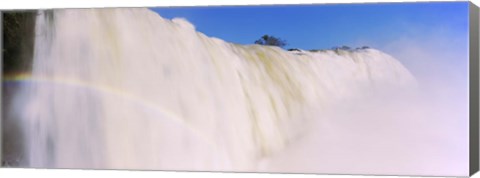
[(394, 131)]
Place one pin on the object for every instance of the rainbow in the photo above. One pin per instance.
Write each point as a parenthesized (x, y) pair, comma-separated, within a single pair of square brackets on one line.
[(104, 90)]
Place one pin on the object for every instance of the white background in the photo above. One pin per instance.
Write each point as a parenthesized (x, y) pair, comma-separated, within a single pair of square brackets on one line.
[(43, 4)]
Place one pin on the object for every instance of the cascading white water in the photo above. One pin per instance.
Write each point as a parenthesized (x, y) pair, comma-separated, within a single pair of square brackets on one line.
[(127, 89)]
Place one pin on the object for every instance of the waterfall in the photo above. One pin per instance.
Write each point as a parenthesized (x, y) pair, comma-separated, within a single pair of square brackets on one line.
[(124, 88)]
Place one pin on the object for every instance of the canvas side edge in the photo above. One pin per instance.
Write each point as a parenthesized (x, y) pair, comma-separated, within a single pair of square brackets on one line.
[(1, 88), (474, 89)]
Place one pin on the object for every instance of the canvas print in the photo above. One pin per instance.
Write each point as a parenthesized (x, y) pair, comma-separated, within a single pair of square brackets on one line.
[(378, 88)]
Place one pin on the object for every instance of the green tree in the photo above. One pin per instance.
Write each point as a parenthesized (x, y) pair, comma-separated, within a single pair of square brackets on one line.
[(271, 41)]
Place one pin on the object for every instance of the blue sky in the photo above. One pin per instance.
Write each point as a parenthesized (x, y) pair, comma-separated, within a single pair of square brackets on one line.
[(325, 26), (429, 39)]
